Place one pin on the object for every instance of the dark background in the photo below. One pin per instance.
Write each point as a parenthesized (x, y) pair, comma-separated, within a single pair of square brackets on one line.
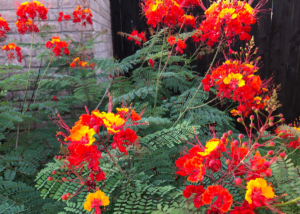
[(277, 35)]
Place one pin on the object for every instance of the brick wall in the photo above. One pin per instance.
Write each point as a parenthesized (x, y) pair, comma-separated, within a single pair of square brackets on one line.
[(101, 21)]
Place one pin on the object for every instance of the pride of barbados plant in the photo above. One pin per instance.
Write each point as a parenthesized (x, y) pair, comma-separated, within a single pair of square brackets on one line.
[(83, 151)]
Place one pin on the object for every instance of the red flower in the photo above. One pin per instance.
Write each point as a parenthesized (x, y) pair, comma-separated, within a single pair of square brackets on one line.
[(58, 46), (162, 12), (198, 191), (172, 40), (13, 47), (137, 37), (3, 27), (151, 62), (191, 165), (67, 17), (82, 16), (127, 138), (224, 199), (234, 18), (55, 99), (187, 20), (180, 46), (29, 13)]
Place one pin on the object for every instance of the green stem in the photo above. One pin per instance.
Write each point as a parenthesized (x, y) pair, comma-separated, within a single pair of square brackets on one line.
[(187, 108), (159, 73), (42, 79), (120, 169), (30, 60)]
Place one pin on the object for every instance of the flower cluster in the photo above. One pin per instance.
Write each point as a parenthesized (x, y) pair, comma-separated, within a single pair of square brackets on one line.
[(237, 80), (162, 12), (238, 163), (180, 44), (62, 16), (232, 17), (83, 16), (137, 37), (80, 15), (81, 64), (59, 46), (83, 151), (4, 28), (29, 12), (13, 47)]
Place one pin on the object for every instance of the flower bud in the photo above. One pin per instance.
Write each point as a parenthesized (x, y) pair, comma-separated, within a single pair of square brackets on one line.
[(238, 181), (280, 115), (252, 125), (254, 168), (252, 117), (271, 152), (271, 124), (228, 162), (239, 112), (267, 164), (253, 108), (256, 145), (225, 135), (56, 157), (235, 143), (230, 132), (218, 148), (245, 144), (272, 144), (96, 129), (223, 140), (268, 173), (64, 197), (212, 163), (64, 179), (50, 179), (93, 120), (241, 136), (63, 166), (82, 183), (59, 157), (68, 195), (240, 120), (282, 155), (271, 119), (54, 172), (282, 119)]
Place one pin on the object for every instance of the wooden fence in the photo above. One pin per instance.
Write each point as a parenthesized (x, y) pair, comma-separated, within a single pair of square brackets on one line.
[(277, 35)]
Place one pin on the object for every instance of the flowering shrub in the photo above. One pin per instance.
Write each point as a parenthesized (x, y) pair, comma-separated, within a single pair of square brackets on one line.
[(103, 165)]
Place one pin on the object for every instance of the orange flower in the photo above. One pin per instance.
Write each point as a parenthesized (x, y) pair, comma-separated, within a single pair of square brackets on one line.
[(80, 131), (135, 116), (82, 16), (223, 201)]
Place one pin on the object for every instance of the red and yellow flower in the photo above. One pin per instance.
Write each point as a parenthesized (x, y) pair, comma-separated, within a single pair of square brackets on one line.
[(234, 18), (259, 192), (137, 37), (96, 200), (30, 13), (83, 16), (162, 12), (4, 28), (13, 47), (59, 46)]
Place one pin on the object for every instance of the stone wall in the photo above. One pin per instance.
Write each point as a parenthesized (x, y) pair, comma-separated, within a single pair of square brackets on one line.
[(101, 21)]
